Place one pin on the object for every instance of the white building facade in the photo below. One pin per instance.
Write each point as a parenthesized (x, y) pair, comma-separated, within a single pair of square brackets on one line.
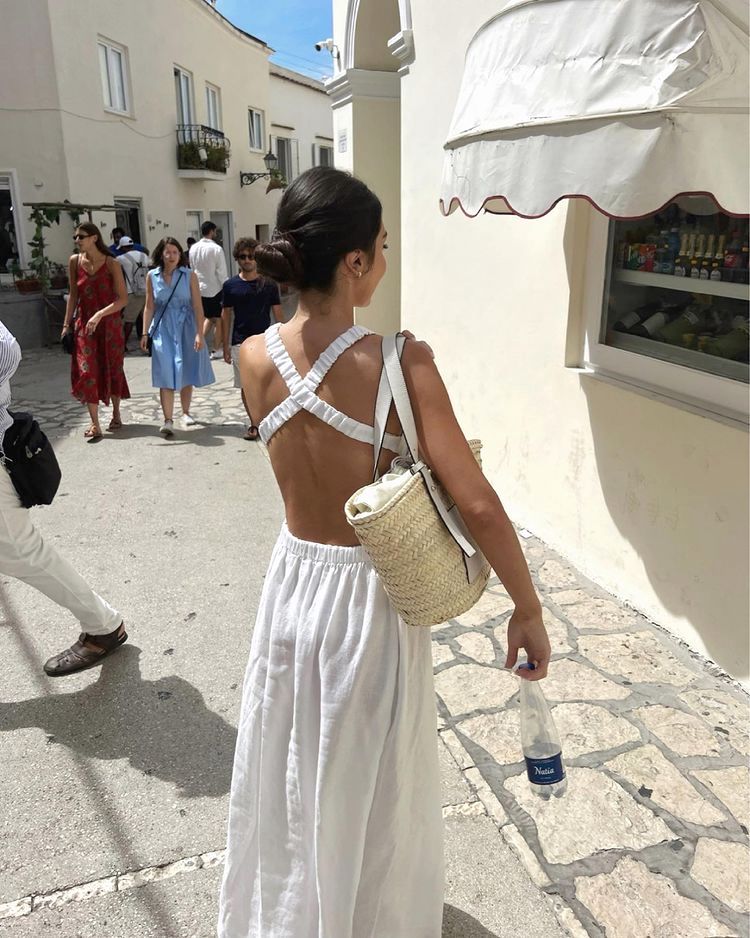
[(156, 108), (638, 476)]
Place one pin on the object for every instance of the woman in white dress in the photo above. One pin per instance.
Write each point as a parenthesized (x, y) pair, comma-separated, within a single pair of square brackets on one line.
[(335, 825)]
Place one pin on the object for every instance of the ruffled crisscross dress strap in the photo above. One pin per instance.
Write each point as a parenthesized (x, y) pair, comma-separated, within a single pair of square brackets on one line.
[(303, 396)]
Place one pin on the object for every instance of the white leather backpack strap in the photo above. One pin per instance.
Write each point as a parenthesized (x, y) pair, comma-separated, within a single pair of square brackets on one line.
[(393, 346), (400, 392), (383, 405)]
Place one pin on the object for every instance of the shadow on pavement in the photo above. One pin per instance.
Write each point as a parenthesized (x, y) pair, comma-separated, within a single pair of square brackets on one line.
[(201, 435), (459, 924), (162, 727)]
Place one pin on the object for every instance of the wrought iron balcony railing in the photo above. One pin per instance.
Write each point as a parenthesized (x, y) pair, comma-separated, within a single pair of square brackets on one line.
[(201, 147)]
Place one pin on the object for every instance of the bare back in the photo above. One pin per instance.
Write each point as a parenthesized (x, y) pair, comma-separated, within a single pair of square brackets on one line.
[(317, 466)]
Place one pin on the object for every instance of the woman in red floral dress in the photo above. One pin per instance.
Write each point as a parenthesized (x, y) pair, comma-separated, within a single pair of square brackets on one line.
[(97, 295)]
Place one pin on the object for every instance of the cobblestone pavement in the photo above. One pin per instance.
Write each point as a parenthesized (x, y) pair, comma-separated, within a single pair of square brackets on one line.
[(651, 838)]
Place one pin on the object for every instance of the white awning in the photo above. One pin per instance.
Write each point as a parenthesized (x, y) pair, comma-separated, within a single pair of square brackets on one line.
[(626, 103)]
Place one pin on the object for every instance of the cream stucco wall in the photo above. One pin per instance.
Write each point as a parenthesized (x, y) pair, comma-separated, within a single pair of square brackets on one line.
[(294, 104), (649, 500), (65, 145)]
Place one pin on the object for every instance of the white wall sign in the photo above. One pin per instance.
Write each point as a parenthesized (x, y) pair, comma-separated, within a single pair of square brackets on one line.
[(342, 141)]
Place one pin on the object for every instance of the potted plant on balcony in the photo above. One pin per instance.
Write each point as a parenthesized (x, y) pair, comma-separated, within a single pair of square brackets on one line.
[(218, 158)]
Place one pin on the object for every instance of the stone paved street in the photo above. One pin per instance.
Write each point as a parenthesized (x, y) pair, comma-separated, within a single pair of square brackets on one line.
[(116, 780)]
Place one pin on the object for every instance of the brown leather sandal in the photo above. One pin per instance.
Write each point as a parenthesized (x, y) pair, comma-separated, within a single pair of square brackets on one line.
[(87, 652)]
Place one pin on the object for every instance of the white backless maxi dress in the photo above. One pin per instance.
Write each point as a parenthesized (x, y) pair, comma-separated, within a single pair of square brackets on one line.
[(335, 823)]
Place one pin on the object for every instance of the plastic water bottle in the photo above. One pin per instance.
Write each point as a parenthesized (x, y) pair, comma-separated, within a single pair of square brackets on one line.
[(540, 741)]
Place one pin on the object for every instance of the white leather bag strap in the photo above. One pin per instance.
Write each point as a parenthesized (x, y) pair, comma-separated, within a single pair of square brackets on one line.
[(400, 392), (383, 407)]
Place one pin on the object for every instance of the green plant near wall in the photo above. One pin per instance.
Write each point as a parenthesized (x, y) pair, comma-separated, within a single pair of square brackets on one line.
[(188, 156), (217, 157), (42, 218)]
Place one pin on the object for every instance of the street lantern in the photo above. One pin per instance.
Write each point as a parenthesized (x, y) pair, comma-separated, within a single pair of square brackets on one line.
[(271, 162)]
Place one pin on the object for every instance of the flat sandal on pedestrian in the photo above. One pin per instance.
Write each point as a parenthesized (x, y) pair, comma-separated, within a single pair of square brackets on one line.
[(85, 653)]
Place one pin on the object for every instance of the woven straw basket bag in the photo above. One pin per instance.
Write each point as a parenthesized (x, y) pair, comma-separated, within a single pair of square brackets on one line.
[(410, 528)]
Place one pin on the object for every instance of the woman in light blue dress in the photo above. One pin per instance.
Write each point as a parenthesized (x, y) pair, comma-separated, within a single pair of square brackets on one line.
[(173, 317)]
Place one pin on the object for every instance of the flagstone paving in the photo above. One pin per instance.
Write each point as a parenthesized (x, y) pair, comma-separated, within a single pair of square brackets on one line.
[(651, 838)]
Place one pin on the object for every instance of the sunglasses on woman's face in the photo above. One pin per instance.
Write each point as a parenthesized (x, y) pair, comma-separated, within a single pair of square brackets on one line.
[(81, 237)]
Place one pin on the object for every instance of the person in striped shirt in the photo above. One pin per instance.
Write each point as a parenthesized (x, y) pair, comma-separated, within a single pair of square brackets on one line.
[(25, 554)]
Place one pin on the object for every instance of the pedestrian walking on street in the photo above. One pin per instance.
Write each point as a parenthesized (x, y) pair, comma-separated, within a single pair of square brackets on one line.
[(24, 554), (135, 265), (250, 301), (335, 822), (208, 261), (173, 317), (97, 297)]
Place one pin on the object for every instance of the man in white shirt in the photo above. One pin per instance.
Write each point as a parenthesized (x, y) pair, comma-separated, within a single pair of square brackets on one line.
[(135, 265), (24, 554), (209, 263)]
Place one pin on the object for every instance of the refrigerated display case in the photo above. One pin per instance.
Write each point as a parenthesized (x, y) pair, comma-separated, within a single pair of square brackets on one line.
[(677, 289)]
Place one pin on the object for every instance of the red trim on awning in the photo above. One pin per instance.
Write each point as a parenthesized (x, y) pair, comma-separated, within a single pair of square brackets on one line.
[(586, 198)]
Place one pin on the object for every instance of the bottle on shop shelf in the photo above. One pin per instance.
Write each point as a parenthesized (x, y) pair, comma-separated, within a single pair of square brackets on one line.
[(674, 241), (734, 345), (635, 317), (688, 323), (682, 263), (715, 273), (695, 269), (719, 255), (732, 258), (540, 741), (700, 246), (651, 327)]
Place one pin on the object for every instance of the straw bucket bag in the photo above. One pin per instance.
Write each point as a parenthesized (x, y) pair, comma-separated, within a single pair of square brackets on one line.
[(410, 528)]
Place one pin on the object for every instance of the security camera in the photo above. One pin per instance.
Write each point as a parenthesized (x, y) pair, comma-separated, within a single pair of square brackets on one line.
[(332, 48)]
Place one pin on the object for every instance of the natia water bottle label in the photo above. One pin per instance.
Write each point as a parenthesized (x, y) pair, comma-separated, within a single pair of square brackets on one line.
[(545, 771)]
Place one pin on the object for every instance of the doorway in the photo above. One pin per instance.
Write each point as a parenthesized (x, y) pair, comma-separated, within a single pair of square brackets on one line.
[(9, 237), (128, 217), (225, 236)]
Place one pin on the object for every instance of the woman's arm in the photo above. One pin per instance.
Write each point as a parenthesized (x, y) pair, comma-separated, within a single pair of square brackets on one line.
[(200, 319), (148, 312), (444, 448), (70, 306), (121, 295)]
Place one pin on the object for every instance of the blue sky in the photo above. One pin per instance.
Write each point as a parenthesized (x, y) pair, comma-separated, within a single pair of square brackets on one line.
[(292, 27)]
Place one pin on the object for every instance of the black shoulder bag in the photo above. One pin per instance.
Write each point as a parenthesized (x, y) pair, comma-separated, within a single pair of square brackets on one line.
[(155, 326), (30, 461)]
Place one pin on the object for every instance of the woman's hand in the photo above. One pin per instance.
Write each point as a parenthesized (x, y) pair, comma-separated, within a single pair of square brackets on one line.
[(527, 631), (144, 342), (65, 329), (198, 342), (93, 323)]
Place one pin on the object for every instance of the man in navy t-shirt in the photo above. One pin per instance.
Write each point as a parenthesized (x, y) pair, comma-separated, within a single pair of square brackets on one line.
[(249, 303)]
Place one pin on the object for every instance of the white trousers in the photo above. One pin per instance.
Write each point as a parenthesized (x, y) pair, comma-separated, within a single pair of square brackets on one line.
[(25, 555)]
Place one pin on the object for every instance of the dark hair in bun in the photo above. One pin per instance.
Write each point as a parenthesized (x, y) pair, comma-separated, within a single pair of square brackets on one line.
[(323, 214)]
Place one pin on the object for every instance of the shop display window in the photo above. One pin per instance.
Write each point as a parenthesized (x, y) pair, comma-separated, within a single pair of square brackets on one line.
[(677, 288)]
